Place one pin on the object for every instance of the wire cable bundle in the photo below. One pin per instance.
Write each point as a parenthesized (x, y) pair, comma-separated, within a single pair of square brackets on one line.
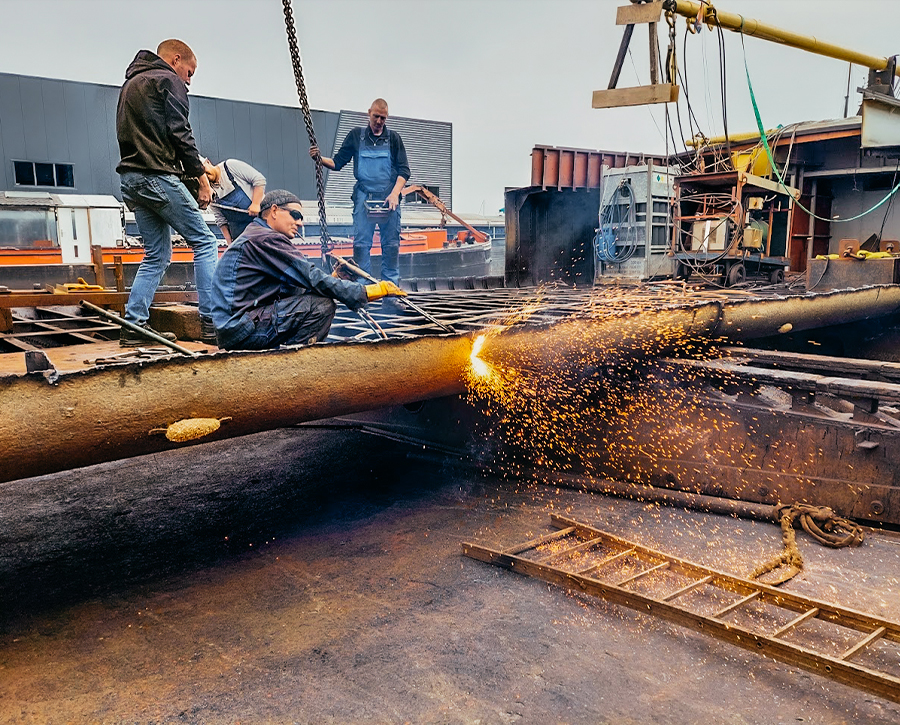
[(616, 238)]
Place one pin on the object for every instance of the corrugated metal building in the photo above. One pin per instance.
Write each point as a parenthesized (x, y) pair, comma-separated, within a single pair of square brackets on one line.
[(429, 146), (60, 136)]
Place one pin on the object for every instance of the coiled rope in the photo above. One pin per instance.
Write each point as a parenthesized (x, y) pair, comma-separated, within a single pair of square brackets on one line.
[(821, 523)]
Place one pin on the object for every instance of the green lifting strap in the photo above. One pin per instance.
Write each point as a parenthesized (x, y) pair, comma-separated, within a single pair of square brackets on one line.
[(765, 141)]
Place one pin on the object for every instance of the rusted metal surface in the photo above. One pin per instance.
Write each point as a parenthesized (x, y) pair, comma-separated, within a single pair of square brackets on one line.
[(558, 167), (823, 275), (107, 413)]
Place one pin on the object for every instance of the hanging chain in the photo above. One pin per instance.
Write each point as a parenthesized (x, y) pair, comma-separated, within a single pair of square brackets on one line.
[(671, 62), (327, 246)]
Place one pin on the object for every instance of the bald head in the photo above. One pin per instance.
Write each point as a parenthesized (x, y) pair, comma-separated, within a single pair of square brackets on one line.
[(378, 116), (172, 47), (178, 55)]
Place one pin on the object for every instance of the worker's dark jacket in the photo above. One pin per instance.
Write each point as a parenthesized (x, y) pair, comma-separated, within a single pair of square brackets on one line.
[(350, 150), (152, 124), (261, 267)]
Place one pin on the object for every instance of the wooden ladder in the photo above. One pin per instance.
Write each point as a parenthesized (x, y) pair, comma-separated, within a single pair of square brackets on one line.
[(848, 646)]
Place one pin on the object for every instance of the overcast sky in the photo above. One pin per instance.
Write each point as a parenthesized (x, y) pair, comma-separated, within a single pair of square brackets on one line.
[(508, 74)]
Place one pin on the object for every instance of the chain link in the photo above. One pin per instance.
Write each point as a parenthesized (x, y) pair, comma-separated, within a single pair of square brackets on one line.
[(327, 246), (671, 61)]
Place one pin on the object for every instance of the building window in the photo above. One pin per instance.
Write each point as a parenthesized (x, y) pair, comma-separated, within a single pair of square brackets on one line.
[(31, 173)]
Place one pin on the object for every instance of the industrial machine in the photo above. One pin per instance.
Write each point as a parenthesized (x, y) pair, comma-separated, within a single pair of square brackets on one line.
[(632, 237), (731, 225)]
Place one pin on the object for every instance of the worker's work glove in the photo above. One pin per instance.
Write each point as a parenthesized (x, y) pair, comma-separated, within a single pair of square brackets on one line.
[(383, 289)]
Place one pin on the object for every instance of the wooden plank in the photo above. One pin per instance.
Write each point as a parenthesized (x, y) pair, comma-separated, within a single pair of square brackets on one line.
[(607, 560), (620, 56), (577, 549), (689, 588), (795, 622), (734, 605), (641, 575), (635, 96), (48, 299), (97, 261), (643, 13), (863, 643), (546, 539)]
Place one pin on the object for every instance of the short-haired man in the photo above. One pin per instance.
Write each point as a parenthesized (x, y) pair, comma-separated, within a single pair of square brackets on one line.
[(381, 170), (266, 293), (157, 151), (237, 190)]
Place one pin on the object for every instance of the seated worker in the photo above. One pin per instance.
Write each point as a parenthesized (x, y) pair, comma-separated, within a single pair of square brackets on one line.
[(235, 185), (266, 293)]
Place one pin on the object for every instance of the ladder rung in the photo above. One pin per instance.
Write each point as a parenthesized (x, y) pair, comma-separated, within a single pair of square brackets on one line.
[(546, 539), (607, 560), (664, 565), (689, 588), (739, 603), (862, 643), (794, 622), (583, 546)]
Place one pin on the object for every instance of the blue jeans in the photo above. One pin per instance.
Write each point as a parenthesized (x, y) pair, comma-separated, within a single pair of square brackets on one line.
[(364, 231), (161, 201)]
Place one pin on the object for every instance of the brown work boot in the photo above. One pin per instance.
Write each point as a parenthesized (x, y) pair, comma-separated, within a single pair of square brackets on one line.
[(208, 331), (130, 338)]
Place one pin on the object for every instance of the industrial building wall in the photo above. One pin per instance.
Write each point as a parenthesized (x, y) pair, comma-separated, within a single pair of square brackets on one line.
[(69, 128), (59, 122), (429, 146)]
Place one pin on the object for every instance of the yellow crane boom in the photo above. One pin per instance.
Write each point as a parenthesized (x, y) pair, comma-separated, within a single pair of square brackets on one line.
[(756, 29)]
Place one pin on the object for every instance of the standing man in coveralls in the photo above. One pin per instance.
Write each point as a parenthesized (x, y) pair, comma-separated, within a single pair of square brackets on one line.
[(381, 170)]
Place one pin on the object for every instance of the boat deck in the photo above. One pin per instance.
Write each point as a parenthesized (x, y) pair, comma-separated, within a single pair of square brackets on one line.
[(217, 587)]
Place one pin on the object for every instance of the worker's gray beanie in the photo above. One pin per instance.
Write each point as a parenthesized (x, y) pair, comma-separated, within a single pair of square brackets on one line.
[(278, 197)]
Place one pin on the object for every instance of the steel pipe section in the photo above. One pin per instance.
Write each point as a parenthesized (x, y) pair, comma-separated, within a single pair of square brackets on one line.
[(108, 413), (660, 332)]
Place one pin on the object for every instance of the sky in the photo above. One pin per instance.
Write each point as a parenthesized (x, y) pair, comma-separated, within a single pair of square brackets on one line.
[(508, 74)]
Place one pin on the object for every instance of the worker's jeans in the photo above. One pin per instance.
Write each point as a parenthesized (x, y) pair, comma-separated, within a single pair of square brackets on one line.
[(364, 231), (161, 201), (300, 320)]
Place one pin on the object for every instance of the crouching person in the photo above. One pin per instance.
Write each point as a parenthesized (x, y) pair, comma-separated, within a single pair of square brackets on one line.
[(266, 293)]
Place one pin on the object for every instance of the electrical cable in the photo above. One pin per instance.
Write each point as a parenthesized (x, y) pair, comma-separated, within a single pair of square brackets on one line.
[(765, 141), (616, 238), (722, 85), (890, 203)]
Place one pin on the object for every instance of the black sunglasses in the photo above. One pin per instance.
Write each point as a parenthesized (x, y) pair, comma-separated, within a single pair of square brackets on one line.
[(296, 215)]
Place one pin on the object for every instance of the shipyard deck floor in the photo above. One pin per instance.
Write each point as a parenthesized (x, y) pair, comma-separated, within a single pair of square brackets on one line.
[(311, 575)]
